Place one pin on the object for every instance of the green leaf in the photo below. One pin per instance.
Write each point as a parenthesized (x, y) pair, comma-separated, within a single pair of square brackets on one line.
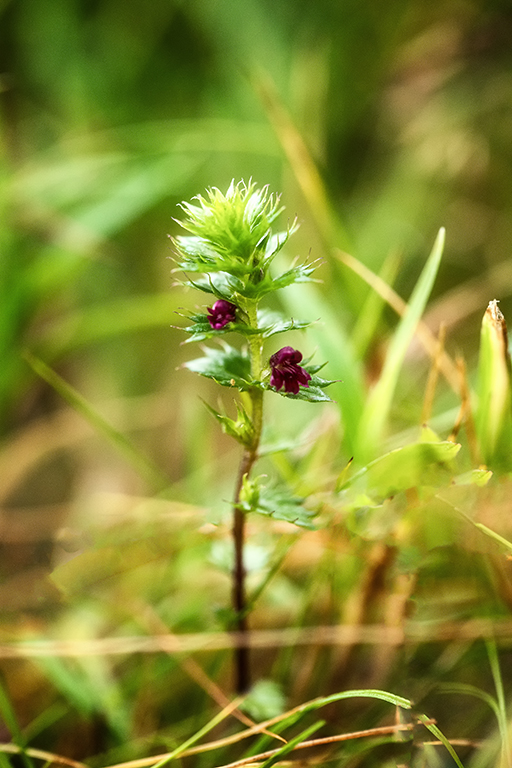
[(200, 330), (442, 738), (227, 286), (216, 283), (376, 412), (227, 366), (231, 368), (478, 477), (422, 463), (277, 503), (312, 394), (255, 290), (290, 745), (364, 693), (269, 324)]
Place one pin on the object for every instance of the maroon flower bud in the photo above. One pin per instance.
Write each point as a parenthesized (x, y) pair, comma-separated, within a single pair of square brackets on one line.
[(222, 313), (286, 372)]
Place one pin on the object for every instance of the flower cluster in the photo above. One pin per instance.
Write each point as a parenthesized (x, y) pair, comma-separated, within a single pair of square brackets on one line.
[(222, 313), (286, 371)]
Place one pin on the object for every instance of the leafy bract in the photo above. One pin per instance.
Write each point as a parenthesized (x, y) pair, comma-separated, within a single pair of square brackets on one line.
[(242, 429), (314, 393), (226, 365), (227, 286), (269, 324)]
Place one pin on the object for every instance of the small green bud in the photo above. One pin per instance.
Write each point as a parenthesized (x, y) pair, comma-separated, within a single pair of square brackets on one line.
[(250, 493), (242, 429)]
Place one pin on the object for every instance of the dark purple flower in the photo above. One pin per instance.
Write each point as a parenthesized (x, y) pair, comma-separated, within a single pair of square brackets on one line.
[(286, 371), (222, 313)]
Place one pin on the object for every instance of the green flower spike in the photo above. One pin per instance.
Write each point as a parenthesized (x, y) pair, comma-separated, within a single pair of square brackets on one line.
[(231, 233), (228, 232)]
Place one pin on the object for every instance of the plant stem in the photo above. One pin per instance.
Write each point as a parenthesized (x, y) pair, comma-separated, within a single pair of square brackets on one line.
[(242, 666)]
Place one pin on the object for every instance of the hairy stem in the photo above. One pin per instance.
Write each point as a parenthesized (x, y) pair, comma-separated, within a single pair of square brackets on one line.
[(242, 665)]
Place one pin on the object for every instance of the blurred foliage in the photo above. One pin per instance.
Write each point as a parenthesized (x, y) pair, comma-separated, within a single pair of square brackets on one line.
[(379, 123)]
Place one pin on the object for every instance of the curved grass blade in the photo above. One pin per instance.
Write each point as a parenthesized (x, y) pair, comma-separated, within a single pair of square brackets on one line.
[(471, 690)]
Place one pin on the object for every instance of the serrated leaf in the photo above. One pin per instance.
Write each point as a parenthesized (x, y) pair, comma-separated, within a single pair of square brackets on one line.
[(216, 283), (314, 393), (298, 274), (227, 366), (224, 286), (269, 324), (201, 330), (311, 394), (279, 504)]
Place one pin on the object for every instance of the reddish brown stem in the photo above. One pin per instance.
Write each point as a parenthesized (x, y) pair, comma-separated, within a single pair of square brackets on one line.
[(242, 666)]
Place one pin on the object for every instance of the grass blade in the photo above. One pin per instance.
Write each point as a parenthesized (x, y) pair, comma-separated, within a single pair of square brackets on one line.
[(200, 733), (9, 717), (376, 412), (336, 348), (442, 738), (502, 709), (156, 479), (292, 744)]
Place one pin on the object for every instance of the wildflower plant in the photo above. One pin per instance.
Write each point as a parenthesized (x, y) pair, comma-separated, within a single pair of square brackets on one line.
[(228, 253)]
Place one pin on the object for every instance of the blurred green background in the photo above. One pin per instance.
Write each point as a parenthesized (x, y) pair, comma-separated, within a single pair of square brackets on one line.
[(378, 122)]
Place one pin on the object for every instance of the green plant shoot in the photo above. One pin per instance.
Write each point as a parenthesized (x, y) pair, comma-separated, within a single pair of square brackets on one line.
[(231, 246), (493, 418)]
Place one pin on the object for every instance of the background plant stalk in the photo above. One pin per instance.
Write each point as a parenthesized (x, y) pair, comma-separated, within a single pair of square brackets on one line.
[(249, 457)]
